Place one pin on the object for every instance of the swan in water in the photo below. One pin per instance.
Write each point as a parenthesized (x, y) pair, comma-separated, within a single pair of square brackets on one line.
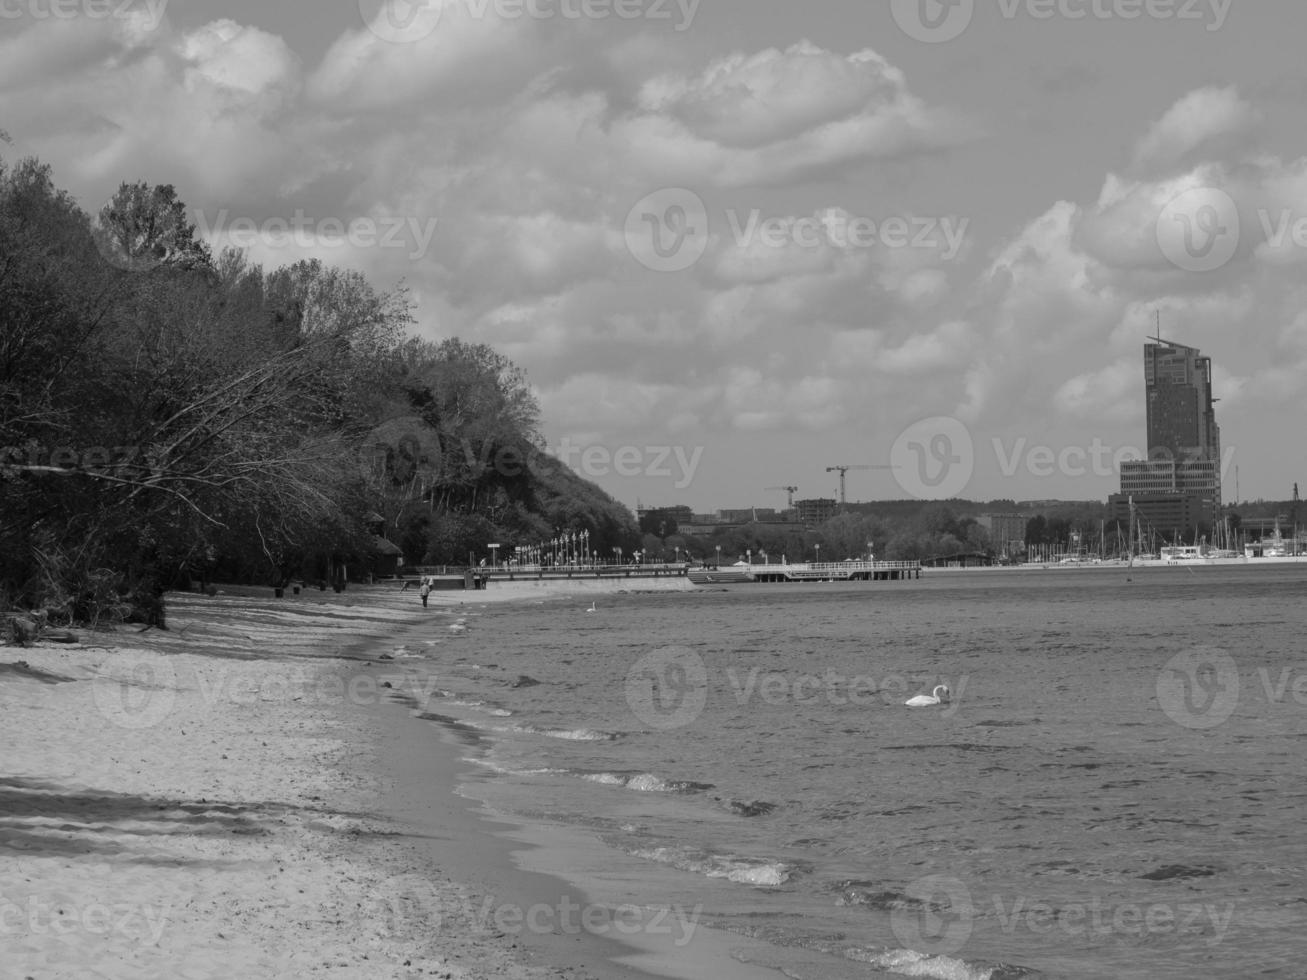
[(592, 607), (937, 696)]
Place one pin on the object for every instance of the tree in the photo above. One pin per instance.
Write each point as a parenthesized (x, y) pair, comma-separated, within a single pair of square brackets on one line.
[(143, 227)]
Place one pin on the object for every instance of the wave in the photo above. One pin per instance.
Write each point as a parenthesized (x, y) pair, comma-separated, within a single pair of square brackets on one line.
[(644, 782), (910, 963), (745, 871), (571, 735)]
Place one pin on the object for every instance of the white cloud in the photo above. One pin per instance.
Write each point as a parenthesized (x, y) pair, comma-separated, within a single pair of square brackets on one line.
[(1201, 116)]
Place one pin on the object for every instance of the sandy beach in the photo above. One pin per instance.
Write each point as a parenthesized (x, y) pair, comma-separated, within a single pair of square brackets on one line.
[(212, 801)]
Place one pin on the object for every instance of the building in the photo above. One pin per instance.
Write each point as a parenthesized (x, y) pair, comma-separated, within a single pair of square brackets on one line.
[(817, 510), (1007, 533), (1180, 407), (1197, 477), (1174, 516), (1179, 485)]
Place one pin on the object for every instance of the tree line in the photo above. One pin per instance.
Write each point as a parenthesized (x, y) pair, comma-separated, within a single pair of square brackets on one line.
[(170, 416)]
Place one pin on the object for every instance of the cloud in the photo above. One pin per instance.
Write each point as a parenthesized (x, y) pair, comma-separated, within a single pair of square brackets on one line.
[(779, 116), (1201, 116)]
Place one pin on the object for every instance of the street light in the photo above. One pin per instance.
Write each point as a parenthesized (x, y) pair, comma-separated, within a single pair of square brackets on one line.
[(818, 549), (719, 556), (494, 555)]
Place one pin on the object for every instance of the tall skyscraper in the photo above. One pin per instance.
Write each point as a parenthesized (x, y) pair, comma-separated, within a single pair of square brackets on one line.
[(1181, 417), (1179, 485)]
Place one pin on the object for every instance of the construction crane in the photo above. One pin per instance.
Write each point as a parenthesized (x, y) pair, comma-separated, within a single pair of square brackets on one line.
[(844, 469), (790, 490)]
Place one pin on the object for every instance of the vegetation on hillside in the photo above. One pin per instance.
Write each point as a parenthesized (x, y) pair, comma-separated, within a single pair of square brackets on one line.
[(167, 415)]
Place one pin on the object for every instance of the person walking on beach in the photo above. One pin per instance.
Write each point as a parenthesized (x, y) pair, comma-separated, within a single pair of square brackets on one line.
[(425, 591)]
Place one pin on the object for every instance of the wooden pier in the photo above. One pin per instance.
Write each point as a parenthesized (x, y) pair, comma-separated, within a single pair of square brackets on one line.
[(829, 571)]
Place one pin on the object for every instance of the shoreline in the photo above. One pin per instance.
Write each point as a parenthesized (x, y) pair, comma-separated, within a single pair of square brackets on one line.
[(520, 871), (210, 801), (198, 802)]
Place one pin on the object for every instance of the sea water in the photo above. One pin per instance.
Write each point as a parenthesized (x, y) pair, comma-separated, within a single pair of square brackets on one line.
[(1115, 787)]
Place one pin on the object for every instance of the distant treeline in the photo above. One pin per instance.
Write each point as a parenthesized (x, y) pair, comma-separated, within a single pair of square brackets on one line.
[(902, 530), (170, 416)]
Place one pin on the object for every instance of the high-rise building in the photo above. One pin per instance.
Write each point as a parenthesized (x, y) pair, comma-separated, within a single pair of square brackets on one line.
[(1181, 414), (1179, 484)]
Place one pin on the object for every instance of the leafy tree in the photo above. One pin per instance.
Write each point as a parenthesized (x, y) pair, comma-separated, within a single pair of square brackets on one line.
[(143, 227)]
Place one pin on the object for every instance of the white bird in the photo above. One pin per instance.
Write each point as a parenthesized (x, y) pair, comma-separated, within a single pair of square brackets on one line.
[(592, 607), (937, 696)]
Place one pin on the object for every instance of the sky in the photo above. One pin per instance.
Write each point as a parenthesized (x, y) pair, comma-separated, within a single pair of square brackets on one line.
[(733, 243)]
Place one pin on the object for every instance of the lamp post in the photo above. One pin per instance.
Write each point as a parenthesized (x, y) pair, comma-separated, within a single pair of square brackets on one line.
[(494, 555), (818, 549), (719, 556)]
